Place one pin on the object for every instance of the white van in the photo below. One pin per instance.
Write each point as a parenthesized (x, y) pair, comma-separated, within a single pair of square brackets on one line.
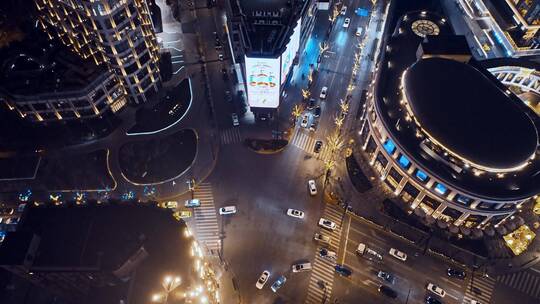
[(301, 267), (359, 31)]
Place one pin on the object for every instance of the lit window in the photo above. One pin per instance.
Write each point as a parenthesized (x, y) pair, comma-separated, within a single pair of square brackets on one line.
[(421, 175), (463, 199), (389, 146), (404, 162), (441, 189)]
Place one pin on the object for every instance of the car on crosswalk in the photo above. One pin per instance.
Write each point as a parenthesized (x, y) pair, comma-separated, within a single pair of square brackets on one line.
[(192, 203), (323, 239), (327, 254), (227, 210), (327, 224), (301, 267), (263, 278), (436, 290), (295, 213), (318, 146)]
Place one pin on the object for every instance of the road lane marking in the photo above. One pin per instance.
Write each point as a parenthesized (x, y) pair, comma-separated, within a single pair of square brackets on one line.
[(346, 241)]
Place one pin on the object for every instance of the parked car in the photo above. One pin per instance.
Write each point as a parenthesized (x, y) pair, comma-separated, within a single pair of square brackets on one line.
[(312, 187), (317, 111), (263, 278), (301, 267), (278, 283), (235, 121), (318, 146), (343, 10), (227, 210), (192, 203), (327, 224), (171, 204), (343, 270), (295, 213), (327, 254), (323, 92), (387, 291), (398, 254), (456, 273), (305, 120), (385, 276), (436, 290), (313, 126), (346, 22), (311, 103), (323, 239)]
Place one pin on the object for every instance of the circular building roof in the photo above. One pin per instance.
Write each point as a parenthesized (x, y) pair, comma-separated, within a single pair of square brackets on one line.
[(468, 114)]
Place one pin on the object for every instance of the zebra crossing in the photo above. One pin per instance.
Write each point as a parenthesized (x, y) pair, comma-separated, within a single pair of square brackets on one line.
[(206, 228), (231, 136), (527, 282), (481, 290), (323, 269), (307, 143)]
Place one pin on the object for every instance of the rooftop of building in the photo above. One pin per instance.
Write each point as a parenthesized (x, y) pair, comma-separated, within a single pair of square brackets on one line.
[(268, 24), (468, 114), (103, 237), (37, 65), (400, 55)]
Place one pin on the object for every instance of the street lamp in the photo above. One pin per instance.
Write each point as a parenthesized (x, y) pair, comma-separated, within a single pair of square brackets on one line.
[(169, 284), (305, 93)]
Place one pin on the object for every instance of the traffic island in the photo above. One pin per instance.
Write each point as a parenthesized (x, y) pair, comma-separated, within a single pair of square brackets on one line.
[(266, 146), (157, 160)]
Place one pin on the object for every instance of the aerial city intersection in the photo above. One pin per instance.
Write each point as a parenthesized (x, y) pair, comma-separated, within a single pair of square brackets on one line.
[(287, 151)]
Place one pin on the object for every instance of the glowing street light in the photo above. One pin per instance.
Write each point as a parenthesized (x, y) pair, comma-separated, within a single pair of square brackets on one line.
[(305, 94), (169, 283)]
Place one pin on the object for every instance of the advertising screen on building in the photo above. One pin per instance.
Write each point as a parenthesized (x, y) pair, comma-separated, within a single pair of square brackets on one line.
[(263, 82), (290, 52)]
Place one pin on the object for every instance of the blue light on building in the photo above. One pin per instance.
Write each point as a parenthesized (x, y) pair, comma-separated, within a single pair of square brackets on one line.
[(441, 189), (404, 162), (463, 199), (421, 175), (389, 146)]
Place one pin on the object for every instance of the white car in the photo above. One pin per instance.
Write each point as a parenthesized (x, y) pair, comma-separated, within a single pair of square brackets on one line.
[(343, 10), (475, 302), (327, 224), (301, 267), (323, 92), (235, 121), (436, 290), (327, 254), (305, 120), (262, 279), (227, 210), (359, 31), (295, 213), (346, 22), (312, 187), (398, 254)]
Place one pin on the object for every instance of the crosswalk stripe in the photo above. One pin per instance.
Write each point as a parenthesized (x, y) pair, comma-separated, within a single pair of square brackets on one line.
[(524, 281), (485, 285), (206, 224)]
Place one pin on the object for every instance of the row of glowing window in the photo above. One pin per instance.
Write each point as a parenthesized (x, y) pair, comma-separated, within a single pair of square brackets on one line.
[(420, 175)]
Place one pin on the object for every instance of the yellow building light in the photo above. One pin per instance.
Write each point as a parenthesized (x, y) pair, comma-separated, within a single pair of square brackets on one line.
[(519, 240)]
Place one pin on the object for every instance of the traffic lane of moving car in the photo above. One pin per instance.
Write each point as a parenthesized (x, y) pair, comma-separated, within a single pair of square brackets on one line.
[(435, 272)]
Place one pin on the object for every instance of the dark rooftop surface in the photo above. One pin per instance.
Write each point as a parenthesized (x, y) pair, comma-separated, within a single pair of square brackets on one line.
[(464, 111), (37, 65), (446, 44), (402, 54)]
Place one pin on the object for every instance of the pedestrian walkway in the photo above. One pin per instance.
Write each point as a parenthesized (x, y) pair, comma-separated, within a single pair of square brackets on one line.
[(481, 290), (305, 142), (323, 268), (527, 282), (206, 228), (231, 136)]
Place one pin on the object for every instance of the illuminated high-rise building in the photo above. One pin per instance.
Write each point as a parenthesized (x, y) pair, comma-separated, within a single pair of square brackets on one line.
[(117, 33)]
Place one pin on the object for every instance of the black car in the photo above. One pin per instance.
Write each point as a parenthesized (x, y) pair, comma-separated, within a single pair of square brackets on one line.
[(318, 146), (387, 291), (386, 277), (432, 300), (342, 270), (313, 126), (456, 273), (311, 103), (317, 112)]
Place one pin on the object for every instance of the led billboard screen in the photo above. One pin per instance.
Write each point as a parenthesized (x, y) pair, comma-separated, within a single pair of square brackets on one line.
[(263, 82), (290, 52)]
